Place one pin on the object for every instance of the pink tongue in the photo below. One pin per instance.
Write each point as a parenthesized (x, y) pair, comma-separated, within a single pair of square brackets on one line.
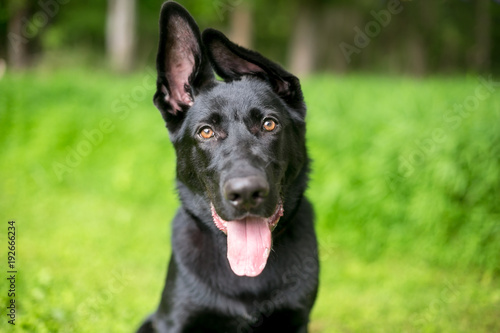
[(248, 245)]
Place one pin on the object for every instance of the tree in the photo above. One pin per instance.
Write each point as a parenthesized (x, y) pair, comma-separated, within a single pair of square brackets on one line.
[(120, 34), (24, 28), (481, 58), (303, 47), (241, 25)]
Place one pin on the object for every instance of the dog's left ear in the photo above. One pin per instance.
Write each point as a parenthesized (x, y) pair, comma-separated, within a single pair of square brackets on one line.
[(231, 62), (183, 69)]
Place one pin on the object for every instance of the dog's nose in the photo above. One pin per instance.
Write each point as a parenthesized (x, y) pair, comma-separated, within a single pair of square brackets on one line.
[(246, 192)]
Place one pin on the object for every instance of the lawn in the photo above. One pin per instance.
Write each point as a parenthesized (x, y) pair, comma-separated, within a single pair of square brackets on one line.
[(405, 184)]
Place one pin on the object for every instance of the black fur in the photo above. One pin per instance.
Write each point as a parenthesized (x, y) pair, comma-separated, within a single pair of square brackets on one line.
[(202, 293)]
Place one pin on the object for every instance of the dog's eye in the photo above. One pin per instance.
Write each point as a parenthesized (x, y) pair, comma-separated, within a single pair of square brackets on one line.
[(206, 132), (269, 124)]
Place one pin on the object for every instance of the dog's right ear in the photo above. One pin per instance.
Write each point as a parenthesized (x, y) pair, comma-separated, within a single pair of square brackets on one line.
[(183, 69), (232, 62)]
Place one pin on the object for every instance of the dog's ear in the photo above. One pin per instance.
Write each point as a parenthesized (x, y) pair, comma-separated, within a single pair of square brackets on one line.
[(183, 69), (231, 62)]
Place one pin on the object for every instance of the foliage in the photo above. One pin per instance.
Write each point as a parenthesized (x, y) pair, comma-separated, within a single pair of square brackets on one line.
[(407, 169), (405, 246), (424, 37)]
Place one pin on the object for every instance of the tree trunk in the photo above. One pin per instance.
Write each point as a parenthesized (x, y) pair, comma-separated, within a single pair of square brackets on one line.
[(303, 46), (120, 34), (416, 55), (336, 27), (18, 51), (241, 25), (481, 59)]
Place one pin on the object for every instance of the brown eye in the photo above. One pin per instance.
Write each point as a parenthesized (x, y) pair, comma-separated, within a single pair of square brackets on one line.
[(269, 125), (206, 132)]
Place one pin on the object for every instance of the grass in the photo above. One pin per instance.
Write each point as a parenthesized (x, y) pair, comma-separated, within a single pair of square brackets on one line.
[(406, 192)]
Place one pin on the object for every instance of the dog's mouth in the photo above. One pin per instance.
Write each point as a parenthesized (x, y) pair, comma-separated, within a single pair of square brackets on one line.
[(248, 240)]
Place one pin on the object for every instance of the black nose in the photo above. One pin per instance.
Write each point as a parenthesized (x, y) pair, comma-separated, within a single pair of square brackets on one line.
[(246, 192)]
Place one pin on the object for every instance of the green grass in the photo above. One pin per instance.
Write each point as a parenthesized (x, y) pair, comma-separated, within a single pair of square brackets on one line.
[(407, 198)]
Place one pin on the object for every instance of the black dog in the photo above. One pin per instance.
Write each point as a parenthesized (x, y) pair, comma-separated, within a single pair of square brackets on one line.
[(244, 255)]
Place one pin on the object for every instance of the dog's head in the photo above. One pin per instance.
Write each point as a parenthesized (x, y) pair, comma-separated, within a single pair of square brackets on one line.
[(239, 143)]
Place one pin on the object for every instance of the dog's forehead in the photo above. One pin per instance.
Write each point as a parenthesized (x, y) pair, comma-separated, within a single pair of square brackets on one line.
[(239, 97)]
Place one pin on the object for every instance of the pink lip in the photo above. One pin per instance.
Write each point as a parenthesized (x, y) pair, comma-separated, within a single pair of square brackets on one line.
[(249, 241), (272, 220)]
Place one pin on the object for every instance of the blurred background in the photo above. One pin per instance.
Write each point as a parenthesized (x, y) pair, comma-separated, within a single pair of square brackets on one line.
[(403, 129), (423, 37)]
